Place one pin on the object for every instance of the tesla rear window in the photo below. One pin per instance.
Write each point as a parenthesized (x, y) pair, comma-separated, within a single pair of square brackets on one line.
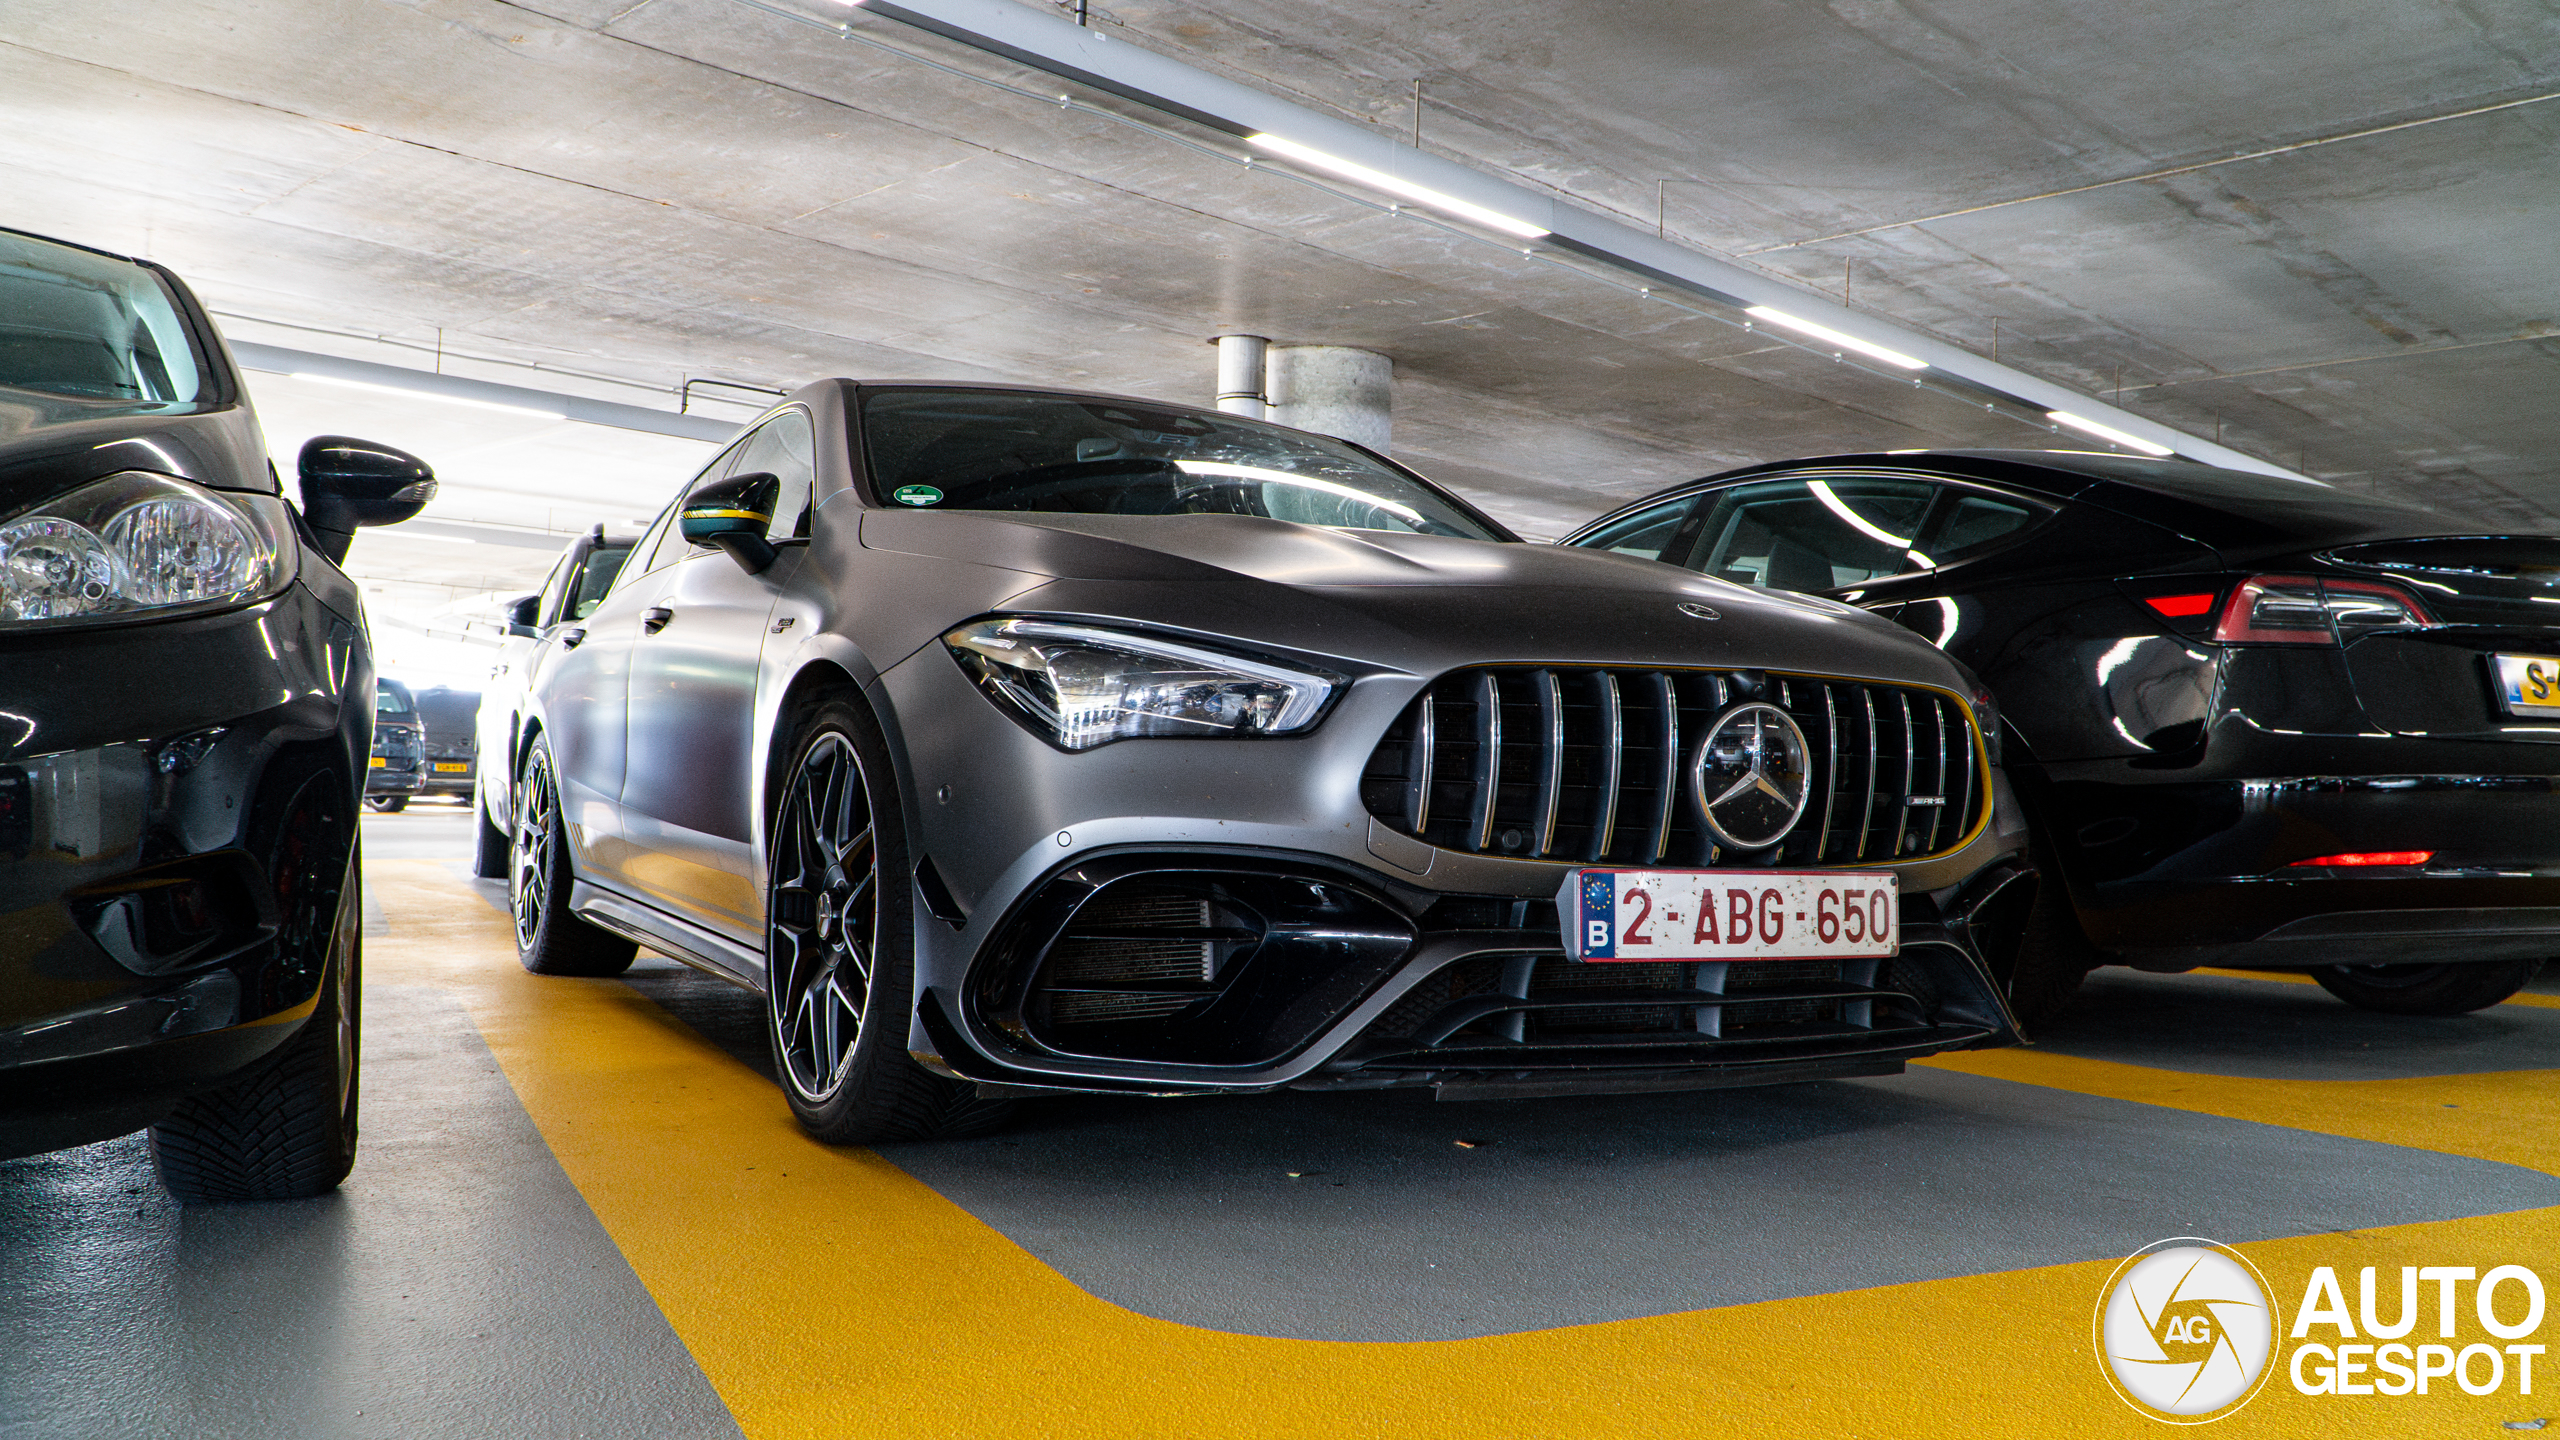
[(991, 450), (82, 324)]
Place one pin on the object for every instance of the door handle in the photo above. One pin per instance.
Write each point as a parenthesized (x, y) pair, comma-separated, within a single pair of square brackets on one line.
[(569, 638), (655, 618)]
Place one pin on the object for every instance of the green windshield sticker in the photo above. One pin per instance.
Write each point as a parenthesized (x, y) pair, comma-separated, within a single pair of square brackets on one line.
[(916, 495)]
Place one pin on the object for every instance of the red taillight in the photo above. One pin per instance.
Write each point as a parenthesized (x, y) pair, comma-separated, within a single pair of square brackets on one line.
[(2371, 857), (2304, 610), (2179, 607)]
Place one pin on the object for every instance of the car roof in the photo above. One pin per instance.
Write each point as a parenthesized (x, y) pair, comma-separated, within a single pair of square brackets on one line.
[(2221, 507)]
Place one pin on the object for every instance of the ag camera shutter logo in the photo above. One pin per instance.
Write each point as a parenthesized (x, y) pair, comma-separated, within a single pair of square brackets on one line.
[(2184, 1330)]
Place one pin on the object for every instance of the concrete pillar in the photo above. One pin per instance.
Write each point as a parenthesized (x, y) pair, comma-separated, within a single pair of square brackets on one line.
[(1242, 387), (1333, 390)]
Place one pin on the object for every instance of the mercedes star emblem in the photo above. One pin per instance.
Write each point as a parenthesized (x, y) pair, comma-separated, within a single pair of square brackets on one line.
[(1752, 776), (1696, 611)]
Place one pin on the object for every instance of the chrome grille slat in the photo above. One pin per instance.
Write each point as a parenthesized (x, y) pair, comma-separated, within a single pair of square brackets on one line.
[(1550, 758), (1667, 795), (1613, 754), (1488, 756), (1417, 767), (1588, 766), (1902, 812)]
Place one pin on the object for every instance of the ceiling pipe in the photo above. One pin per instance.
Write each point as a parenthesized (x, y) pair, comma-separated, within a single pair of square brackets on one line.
[(1058, 46)]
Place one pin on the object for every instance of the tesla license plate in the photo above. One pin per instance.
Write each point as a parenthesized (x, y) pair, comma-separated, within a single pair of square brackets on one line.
[(2528, 684), (379, 762), (1612, 915)]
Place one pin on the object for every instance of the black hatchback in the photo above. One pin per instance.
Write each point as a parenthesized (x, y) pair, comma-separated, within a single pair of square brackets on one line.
[(2255, 721), (186, 706)]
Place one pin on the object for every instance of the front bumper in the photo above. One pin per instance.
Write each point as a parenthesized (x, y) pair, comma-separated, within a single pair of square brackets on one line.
[(158, 857), (1339, 953)]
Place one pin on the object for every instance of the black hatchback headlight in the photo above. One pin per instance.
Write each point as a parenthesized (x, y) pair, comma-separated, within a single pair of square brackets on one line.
[(136, 545), (1080, 686)]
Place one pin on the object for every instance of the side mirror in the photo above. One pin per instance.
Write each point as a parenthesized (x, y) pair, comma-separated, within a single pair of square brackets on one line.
[(523, 613), (348, 482), (733, 514)]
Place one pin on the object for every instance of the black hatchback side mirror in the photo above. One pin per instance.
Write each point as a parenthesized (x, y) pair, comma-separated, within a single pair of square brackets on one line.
[(523, 612), (733, 515), (348, 482)]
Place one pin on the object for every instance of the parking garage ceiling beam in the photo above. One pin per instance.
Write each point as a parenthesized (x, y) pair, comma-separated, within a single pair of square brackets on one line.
[(1057, 45), (367, 374)]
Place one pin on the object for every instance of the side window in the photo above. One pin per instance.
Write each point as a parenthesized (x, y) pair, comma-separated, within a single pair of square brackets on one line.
[(548, 612), (1970, 524), (1817, 533), (787, 448), (1645, 534), (603, 564)]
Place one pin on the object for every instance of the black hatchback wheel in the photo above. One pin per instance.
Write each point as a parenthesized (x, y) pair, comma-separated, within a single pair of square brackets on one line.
[(839, 946), (550, 940), (2454, 989)]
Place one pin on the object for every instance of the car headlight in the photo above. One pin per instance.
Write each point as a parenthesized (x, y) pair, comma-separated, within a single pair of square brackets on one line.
[(134, 544), (1080, 686)]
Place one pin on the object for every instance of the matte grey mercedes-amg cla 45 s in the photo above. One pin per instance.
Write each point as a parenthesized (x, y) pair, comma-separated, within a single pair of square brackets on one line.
[(1010, 741)]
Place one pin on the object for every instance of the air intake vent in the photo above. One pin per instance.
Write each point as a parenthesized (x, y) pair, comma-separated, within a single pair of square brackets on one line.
[(1592, 766)]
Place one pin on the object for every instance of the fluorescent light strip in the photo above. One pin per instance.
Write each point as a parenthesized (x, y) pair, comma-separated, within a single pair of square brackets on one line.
[(1830, 336), (2108, 433), (407, 393), (1315, 159)]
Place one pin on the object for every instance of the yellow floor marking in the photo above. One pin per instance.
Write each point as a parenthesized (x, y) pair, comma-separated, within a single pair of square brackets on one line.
[(2546, 1002), (827, 1293)]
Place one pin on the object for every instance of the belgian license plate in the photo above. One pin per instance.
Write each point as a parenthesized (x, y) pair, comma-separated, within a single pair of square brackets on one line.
[(2528, 684), (379, 762), (1612, 915), (451, 767)]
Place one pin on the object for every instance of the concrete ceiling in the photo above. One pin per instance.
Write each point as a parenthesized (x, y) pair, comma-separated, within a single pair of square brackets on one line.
[(633, 192)]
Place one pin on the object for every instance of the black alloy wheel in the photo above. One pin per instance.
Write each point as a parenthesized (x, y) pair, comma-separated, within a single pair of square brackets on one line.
[(550, 940), (839, 946), (2447, 989)]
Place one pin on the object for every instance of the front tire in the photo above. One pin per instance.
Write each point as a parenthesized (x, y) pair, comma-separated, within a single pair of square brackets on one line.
[(2453, 989), (550, 940), (2054, 953), (287, 1131), (840, 946), (386, 804)]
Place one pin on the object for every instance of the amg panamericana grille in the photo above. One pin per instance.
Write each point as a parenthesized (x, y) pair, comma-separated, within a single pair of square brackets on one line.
[(1592, 765)]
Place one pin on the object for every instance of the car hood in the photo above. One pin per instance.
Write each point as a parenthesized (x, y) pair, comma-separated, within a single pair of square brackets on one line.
[(53, 443), (1422, 603)]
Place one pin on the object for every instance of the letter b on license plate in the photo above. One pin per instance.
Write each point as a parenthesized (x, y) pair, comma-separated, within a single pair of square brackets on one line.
[(1729, 915)]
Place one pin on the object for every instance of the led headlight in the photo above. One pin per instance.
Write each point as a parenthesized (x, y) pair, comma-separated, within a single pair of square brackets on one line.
[(134, 544), (1081, 686)]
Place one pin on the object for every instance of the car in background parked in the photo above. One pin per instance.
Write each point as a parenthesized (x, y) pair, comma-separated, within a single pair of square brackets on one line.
[(449, 719), (186, 704), (2256, 721), (398, 769), (538, 630), (1014, 740)]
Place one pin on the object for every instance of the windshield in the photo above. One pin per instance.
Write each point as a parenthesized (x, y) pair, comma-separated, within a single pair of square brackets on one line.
[(1056, 454), (82, 324)]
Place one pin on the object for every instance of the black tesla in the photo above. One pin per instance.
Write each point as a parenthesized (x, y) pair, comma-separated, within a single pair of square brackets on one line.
[(2255, 721)]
